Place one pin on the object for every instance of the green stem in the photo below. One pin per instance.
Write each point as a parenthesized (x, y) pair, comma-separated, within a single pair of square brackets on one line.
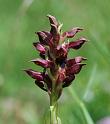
[(82, 106), (53, 117), (53, 111)]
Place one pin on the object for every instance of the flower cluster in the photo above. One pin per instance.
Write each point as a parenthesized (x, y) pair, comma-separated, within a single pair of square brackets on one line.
[(53, 48)]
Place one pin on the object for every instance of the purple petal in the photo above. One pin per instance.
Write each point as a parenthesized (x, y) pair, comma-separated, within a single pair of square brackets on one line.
[(40, 48), (77, 44), (75, 69), (78, 59), (34, 74), (40, 84), (43, 63), (68, 80)]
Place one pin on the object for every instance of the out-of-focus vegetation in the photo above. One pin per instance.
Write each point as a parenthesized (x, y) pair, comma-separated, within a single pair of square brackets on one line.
[(21, 102)]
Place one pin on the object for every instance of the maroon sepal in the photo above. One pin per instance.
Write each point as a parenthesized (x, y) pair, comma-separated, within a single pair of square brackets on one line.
[(77, 59), (75, 69), (34, 74), (43, 63), (44, 37), (72, 32), (40, 47), (41, 36), (77, 44)]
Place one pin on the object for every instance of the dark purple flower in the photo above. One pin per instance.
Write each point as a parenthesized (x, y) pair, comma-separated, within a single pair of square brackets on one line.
[(53, 47)]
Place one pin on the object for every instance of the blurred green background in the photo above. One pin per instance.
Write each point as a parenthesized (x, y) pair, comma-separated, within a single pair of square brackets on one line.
[(21, 102)]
